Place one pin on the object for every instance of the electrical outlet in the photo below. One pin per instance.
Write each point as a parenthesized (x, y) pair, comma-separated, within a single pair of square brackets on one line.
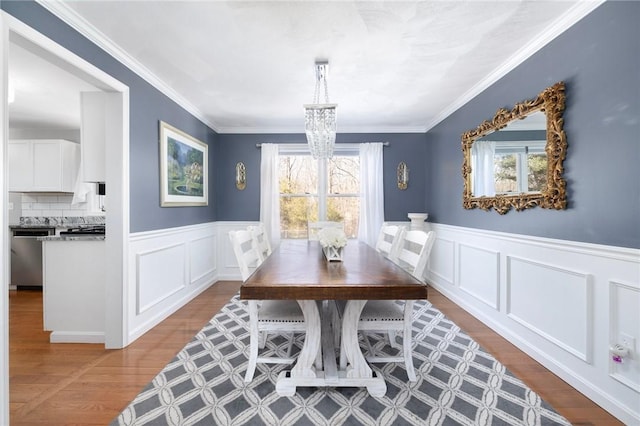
[(628, 342)]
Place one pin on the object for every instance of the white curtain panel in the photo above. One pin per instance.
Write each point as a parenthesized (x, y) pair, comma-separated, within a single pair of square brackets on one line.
[(269, 192), (371, 192), (482, 166)]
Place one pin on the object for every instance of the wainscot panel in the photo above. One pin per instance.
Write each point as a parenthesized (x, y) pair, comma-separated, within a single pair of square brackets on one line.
[(479, 274), (625, 323), (535, 290), (170, 267), (202, 256), (441, 260), (564, 303), (161, 273)]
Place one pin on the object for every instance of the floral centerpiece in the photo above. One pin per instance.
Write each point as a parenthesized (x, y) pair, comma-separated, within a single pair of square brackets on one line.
[(332, 241)]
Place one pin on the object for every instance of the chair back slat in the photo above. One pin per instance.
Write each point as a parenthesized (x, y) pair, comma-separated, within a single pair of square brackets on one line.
[(389, 240), (260, 240), (414, 251), (246, 254)]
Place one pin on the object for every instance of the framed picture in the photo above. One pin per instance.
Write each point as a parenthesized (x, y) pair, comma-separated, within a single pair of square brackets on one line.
[(184, 169)]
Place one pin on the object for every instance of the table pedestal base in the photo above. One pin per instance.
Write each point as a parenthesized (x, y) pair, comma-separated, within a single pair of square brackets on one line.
[(286, 385), (320, 334)]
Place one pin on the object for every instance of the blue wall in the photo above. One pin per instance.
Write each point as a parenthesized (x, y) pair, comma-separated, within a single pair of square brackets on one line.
[(598, 59), (232, 204), (148, 106)]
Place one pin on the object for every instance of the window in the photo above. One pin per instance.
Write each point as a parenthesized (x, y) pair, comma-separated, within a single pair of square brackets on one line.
[(520, 167), (313, 190)]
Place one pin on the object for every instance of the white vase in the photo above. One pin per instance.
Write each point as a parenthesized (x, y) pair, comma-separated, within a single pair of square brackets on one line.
[(333, 254)]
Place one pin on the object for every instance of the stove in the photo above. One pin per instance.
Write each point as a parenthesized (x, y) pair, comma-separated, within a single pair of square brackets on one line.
[(85, 230)]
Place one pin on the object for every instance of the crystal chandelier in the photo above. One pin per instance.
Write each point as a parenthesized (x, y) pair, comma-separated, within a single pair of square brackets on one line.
[(320, 119)]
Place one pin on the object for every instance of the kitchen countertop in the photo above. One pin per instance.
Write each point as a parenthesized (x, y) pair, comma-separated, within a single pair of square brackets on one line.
[(72, 238), (57, 222), (39, 226)]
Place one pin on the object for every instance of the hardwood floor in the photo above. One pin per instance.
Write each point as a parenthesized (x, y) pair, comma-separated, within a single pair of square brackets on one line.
[(84, 384)]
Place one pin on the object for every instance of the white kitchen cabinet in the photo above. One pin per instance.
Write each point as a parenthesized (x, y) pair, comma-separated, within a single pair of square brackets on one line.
[(74, 290), (20, 156), (93, 133), (43, 165)]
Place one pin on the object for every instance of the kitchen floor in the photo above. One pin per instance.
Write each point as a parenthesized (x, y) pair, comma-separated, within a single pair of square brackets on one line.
[(42, 375), (85, 384)]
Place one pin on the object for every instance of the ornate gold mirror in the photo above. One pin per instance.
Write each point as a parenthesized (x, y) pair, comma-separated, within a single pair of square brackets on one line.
[(515, 160)]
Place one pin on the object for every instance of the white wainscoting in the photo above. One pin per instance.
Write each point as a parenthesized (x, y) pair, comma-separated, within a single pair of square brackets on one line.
[(536, 290), (160, 274), (624, 298), (476, 261), (564, 303), (169, 267)]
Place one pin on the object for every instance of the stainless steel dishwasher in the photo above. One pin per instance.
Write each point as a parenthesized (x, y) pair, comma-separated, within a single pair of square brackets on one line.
[(26, 257)]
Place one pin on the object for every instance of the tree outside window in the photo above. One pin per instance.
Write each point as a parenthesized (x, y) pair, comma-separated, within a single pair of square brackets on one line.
[(318, 190), (522, 169)]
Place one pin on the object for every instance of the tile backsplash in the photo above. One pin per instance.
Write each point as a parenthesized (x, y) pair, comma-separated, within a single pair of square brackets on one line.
[(57, 204)]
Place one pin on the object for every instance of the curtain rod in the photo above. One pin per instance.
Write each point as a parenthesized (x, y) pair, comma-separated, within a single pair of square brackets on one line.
[(259, 145)]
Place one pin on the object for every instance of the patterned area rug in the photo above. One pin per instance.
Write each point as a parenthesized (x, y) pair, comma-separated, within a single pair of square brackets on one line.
[(458, 384)]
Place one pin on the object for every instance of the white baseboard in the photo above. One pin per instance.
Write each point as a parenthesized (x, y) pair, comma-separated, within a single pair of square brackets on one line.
[(76, 337)]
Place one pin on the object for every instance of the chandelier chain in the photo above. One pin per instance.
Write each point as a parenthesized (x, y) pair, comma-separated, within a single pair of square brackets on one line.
[(326, 89), (316, 92)]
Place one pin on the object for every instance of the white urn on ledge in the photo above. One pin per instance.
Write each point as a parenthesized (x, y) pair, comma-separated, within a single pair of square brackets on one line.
[(417, 220)]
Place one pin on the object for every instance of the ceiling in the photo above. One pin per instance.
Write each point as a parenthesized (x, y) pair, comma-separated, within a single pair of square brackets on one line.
[(45, 95), (248, 67)]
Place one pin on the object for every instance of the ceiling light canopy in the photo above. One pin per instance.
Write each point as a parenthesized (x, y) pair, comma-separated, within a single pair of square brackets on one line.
[(320, 119)]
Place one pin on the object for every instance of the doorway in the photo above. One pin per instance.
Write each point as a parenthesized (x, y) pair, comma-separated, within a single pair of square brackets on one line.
[(117, 176)]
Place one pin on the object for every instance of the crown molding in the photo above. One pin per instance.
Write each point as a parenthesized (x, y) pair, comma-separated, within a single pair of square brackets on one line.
[(560, 25), (78, 23), (341, 129), (564, 22)]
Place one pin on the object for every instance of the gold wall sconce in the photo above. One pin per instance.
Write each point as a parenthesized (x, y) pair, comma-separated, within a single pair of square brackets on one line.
[(403, 176), (241, 176)]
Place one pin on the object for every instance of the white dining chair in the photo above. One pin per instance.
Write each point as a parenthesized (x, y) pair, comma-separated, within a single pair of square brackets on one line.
[(314, 227), (393, 316), (389, 240), (260, 240), (265, 316)]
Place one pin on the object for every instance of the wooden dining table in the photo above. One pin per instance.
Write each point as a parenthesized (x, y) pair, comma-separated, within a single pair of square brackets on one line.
[(298, 270)]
